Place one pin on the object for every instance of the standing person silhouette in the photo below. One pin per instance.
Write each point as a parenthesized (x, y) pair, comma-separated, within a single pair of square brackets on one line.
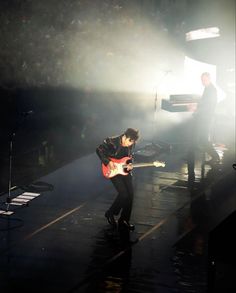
[(202, 124), (118, 147)]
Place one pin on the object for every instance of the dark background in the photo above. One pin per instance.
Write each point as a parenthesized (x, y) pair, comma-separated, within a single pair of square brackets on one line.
[(72, 64)]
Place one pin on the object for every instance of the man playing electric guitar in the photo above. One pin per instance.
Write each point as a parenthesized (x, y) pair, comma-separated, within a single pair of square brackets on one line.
[(118, 147)]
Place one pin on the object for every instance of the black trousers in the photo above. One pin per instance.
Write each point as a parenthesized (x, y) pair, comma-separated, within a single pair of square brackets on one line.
[(200, 140), (124, 200)]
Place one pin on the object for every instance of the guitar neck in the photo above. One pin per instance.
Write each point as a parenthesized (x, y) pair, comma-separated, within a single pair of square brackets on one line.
[(138, 165)]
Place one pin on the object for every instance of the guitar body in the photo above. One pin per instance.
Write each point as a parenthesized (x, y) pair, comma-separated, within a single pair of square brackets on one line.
[(120, 167)]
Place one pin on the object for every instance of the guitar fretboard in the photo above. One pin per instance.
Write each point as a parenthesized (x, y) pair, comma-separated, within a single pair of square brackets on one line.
[(137, 165)]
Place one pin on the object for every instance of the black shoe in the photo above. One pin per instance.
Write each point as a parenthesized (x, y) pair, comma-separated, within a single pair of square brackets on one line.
[(110, 218), (126, 225)]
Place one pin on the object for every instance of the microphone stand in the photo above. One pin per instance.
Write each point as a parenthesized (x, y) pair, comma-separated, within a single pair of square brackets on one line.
[(8, 200), (12, 135), (156, 99)]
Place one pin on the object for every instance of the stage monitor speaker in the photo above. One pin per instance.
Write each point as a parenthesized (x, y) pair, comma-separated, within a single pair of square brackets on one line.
[(152, 150)]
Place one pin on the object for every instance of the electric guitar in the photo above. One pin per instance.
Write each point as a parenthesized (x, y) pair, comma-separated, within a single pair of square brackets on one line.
[(122, 164)]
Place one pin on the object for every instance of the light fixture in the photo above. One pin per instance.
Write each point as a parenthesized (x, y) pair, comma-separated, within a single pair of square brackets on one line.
[(203, 33)]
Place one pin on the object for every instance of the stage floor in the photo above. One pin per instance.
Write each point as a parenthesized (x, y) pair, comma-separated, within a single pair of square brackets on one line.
[(59, 240)]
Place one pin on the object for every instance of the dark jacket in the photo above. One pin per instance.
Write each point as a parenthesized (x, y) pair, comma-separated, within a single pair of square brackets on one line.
[(207, 105), (112, 148)]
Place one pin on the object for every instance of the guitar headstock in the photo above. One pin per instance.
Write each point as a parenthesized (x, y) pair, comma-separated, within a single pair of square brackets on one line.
[(159, 164)]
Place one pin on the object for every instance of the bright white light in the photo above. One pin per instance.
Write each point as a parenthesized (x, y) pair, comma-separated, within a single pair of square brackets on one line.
[(122, 57), (203, 33), (193, 70)]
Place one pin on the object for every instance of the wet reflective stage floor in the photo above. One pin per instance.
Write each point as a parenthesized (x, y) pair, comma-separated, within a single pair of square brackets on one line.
[(59, 240)]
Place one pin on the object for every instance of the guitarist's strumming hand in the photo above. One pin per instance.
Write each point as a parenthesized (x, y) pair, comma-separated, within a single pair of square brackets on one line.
[(129, 167)]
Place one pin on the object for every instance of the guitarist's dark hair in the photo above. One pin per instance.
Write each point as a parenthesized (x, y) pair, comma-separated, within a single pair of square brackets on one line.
[(132, 133)]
